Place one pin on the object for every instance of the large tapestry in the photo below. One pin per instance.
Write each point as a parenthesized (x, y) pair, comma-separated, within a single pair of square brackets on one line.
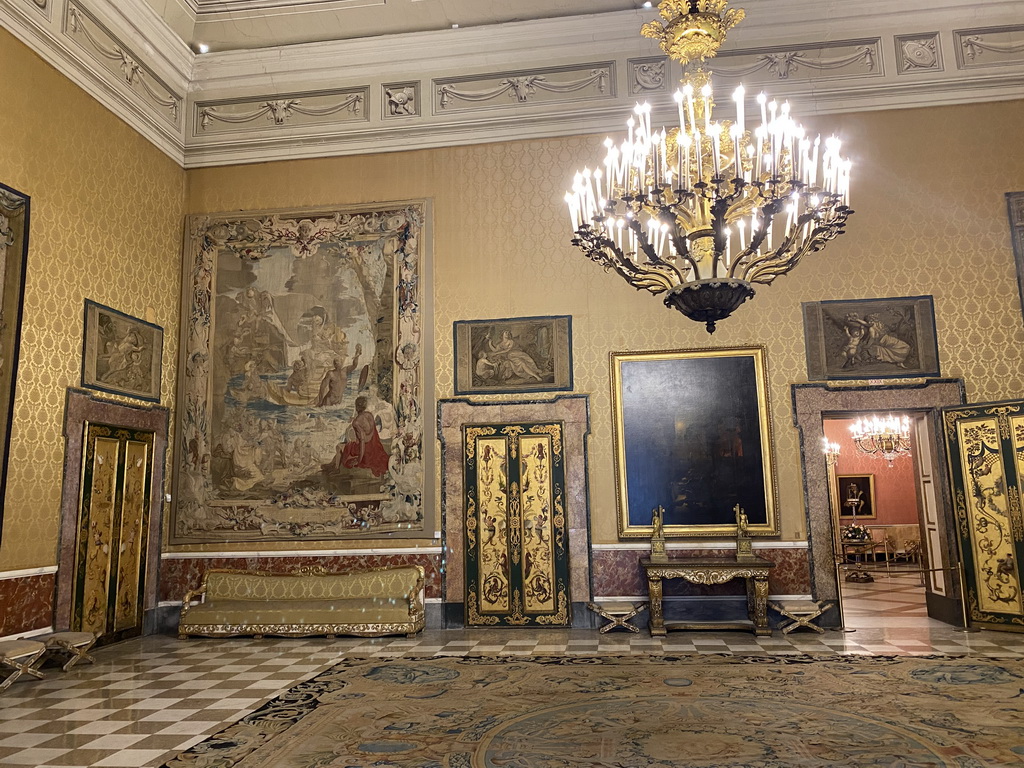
[(14, 225), (302, 391)]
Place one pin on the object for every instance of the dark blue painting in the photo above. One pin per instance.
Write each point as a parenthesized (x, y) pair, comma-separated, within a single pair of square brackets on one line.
[(692, 438)]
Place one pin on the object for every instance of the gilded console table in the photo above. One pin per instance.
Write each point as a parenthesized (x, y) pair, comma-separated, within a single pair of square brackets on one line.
[(711, 570)]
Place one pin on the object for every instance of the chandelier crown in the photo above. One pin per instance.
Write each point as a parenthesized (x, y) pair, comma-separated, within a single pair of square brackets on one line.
[(693, 29), (703, 210)]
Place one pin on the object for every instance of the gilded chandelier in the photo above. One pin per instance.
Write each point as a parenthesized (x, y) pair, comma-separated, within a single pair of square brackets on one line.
[(883, 437), (704, 210)]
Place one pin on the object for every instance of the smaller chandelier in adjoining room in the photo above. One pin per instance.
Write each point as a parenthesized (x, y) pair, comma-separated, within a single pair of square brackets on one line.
[(885, 437), (702, 211)]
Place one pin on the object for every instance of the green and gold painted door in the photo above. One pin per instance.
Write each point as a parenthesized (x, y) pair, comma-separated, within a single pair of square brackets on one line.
[(985, 445), (517, 559), (113, 532)]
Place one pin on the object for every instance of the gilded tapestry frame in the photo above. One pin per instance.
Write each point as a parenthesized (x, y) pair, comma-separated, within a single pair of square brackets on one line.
[(305, 364), (121, 354), (866, 485), (708, 411), (14, 230), (513, 355), (888, 338)]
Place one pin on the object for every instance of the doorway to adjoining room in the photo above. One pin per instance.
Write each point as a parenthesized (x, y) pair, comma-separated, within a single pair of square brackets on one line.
[(879, 525)]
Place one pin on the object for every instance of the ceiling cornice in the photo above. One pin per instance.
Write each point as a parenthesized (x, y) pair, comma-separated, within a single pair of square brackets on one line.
[(519, 80)]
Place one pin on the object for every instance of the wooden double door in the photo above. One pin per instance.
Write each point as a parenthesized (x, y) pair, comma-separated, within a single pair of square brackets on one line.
[(113, 532), (517, 559)]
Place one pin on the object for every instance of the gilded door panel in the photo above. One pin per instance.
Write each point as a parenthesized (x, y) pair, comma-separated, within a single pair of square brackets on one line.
[(113, 531), (96, 533), (537, 535), (134, 510), (516, 553), (492, 522), (986, 453)]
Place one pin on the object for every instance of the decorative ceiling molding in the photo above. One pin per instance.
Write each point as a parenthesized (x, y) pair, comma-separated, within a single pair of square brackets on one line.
[(521, 80)]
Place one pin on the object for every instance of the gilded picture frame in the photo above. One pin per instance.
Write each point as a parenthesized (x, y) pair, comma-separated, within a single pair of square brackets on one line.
[(121, 354), (692, 434), (856, 491), (888, 338), (510, 355), (14, 231)]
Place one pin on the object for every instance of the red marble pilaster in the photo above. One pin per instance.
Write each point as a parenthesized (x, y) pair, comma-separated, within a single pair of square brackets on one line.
[(26, 604), (617, 573)]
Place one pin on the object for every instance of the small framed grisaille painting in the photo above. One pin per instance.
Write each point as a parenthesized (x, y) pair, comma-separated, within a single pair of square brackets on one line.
[(692, 435), (122, 354), (871, 338), (519, 354)]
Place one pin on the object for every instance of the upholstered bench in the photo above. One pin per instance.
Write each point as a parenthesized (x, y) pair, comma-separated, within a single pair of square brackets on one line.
[(384, 601)]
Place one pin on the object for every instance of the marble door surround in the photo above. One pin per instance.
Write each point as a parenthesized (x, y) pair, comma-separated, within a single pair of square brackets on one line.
[(83, 407), (452, 414), (812, 403)]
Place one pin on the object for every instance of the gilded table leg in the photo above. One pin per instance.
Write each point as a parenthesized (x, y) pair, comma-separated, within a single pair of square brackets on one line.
[(657, 622), (760, 616)]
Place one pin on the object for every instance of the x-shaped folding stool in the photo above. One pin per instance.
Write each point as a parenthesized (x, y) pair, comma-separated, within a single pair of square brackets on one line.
[(618, 614), (802, 612), (19, 656), (74, 645)]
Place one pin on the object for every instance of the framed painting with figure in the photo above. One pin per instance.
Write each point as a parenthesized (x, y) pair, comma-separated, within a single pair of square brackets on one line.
[(14, 225), (871, 338), (855, 495), (521, 354), (692, 434), (122, 354), (302, 386)]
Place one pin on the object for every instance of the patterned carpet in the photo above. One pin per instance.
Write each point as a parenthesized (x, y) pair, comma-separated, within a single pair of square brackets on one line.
[(633, 712)]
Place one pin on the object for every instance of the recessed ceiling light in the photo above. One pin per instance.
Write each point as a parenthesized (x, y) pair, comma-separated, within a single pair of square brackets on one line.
[(455, 26), (648, 4), (203, 48)]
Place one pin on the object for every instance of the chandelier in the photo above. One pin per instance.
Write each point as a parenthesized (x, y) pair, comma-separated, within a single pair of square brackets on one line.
[(882, 437), (702, 211)]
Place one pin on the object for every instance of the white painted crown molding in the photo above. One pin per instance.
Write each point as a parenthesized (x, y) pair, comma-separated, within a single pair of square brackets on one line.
[(162, 62), (826, 56)]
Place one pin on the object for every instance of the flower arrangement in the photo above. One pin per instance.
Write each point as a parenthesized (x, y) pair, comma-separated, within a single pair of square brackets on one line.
[(856, 533)]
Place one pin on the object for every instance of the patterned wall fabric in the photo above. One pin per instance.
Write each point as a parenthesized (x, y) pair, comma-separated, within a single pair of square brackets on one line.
[(106, 224), (931, 219)]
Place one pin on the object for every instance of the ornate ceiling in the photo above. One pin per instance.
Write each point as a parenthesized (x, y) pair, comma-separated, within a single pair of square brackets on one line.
[(288, 79), (241, 24)]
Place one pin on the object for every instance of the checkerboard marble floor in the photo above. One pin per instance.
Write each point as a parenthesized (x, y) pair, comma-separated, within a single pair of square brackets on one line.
[(147, 699)]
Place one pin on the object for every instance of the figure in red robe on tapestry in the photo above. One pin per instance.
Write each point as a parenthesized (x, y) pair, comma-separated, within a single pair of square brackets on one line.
[(362, 448)]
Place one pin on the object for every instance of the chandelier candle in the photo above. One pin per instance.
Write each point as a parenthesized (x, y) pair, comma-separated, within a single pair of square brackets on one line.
[(705, 209)]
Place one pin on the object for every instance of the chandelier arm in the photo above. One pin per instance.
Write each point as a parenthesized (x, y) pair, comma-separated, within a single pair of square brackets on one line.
[(743, 261), (595, 246), (658, 265), (764, 271), (682, 248)]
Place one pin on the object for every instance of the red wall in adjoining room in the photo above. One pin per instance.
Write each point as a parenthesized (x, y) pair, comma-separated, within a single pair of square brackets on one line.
[(895, 494)]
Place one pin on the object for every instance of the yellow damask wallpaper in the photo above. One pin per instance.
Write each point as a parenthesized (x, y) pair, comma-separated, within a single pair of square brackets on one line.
[(106, 224), (931, 219)]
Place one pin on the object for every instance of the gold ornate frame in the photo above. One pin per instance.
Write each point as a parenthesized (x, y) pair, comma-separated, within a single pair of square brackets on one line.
[(677, 396), (869, 491)]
